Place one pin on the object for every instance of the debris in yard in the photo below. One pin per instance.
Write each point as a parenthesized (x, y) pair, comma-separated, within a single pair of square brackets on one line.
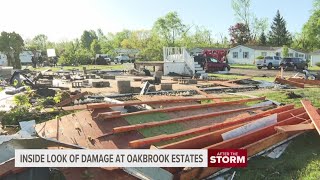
[(292, 95), (278, 151)]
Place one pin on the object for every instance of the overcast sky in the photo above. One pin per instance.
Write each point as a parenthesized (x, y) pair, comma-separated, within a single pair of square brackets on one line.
[(66, 19)]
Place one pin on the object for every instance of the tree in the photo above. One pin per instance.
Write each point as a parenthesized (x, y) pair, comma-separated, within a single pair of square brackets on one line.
[(95, 47), (170, 27), (279, 35), (285, 51), (39, 42), (239, 34), (244, 15), (262, 39), (11, 44), (87, 38), (311, 31)]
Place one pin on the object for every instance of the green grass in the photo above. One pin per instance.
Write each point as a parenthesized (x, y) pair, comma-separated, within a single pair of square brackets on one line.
[(89, 67), (243, 66), (281, 96), (154, 131), (301, 160), (314, 68)]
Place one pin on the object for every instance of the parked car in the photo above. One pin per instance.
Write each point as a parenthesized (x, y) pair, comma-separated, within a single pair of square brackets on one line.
[(212, 64), (122, 59), (269, 62), (102, 59), (294, 64)]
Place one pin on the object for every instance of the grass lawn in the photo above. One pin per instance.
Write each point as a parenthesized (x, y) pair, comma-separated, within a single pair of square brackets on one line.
[(101, 67), (243, 66)]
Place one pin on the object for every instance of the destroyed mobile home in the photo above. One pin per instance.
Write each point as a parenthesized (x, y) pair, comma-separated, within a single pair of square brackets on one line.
[(144, 109)]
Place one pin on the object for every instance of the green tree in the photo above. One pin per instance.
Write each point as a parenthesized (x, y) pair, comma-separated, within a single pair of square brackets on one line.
[(11, 44), (95, 47), (39, 42), (170, 28), (245, 16), (285, 51), (279, 35), (311, 31), (262, 39), (87, 38)]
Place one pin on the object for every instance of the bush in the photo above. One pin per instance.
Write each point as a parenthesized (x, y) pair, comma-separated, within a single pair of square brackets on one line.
[(318, 64), (21, 100), (260, 57)]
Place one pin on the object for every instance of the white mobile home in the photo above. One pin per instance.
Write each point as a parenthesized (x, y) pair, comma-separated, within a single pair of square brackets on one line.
[(315, 58), (245, 54)]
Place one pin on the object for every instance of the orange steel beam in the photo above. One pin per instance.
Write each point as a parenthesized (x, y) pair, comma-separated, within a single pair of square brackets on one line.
[(292, 83), (305, 81), (252, 137), (313, 114), (187, 107), (205, 129), (71, 99), (107, 105), (294, 128), (178, 120), (215, 137)]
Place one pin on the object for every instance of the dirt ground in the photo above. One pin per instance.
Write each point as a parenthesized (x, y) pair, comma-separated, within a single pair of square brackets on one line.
[(261, 72)]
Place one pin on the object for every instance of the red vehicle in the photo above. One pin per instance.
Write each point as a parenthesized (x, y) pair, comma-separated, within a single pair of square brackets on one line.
[(213, 60)]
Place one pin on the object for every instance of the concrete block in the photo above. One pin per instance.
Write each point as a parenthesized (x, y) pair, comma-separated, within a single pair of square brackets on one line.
[(100, 84), (136, 89), (106, 76), (123, 87), (166, 87)]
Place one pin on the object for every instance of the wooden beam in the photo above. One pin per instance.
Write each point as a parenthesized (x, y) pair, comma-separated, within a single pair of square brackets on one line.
[(292, 83), (313, 114), (71, 99), (252, 137), (305, 81), (187, 107), (206, 129), (108, 105), (179, 120), (294, 128), (252, 149)]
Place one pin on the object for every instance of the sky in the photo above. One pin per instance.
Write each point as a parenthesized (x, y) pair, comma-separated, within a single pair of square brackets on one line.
[(66, 19)]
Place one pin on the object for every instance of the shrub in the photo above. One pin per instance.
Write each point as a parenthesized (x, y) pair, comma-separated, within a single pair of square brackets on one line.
[(318, 64), (260, 57), (21, 100)]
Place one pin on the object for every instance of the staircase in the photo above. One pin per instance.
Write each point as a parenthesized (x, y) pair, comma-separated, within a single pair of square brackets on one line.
[(178, 58)]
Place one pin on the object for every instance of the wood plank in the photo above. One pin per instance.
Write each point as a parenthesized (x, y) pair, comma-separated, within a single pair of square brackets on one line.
[(313, 114), (178, 120), (292, 83), (179, 100), (252, 137), (209, 128), (186, 107), (305, 81), (294, 128)]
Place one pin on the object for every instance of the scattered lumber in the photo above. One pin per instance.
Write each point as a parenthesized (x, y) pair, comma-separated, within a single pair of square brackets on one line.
[(313, 114), (178, 120), (205, 129), (252, 137), (294, 128), (71, 99), (305, 81), (181, 108), (108, 105), (292, 83), (215, 136)]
